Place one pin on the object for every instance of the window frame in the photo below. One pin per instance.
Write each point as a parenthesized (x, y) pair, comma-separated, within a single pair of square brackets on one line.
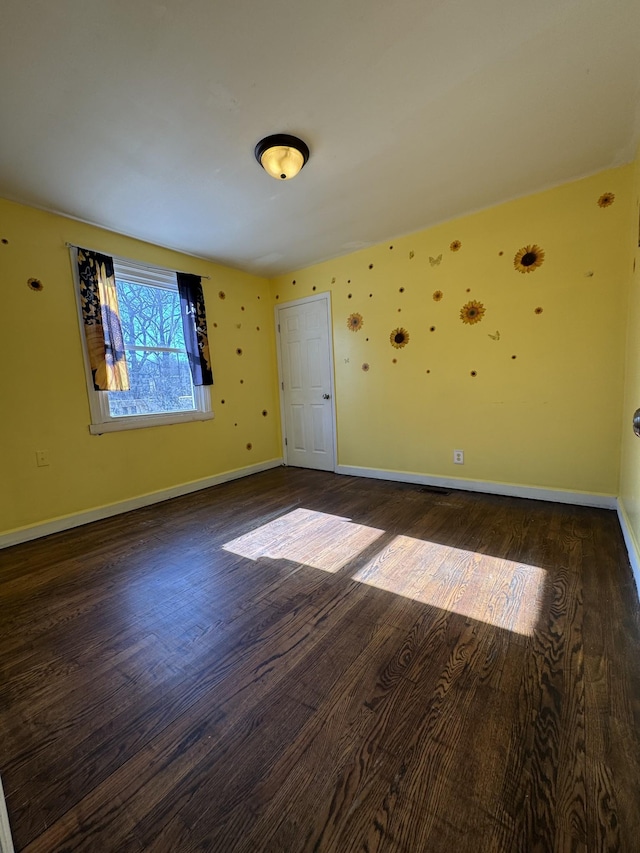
[(101, 419)]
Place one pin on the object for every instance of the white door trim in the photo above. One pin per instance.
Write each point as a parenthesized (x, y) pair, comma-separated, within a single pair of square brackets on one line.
[(319, 297)]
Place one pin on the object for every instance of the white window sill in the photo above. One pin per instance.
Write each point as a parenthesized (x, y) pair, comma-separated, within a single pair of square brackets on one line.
[(146, 421)]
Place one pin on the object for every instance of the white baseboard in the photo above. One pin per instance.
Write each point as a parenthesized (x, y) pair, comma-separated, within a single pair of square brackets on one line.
[(66, 522), (507, 489), (632, 546), (6, 844)]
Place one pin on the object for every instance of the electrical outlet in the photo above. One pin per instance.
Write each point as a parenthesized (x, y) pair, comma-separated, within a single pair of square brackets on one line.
[(42, 458), (458, 457)]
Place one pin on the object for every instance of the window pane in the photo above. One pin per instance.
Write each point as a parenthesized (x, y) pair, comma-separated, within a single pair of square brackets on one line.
[(159, 382), (150, 316)]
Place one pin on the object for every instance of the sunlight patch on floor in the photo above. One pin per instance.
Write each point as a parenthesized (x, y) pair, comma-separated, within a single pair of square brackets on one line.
[(480, 586), (317, 539)]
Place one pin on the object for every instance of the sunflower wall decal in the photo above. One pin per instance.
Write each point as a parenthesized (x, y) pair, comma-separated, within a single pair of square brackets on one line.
[(528, 259), (472, 312), (455, 246), (437, 295), (355, 322), (606, 199), (399, 338)]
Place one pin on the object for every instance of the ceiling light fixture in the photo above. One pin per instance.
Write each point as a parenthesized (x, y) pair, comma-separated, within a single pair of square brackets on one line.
[(281, 155)]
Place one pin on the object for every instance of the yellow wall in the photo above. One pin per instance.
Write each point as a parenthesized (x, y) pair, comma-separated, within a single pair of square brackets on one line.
[(630, 464), (43, 397), (550, 417)]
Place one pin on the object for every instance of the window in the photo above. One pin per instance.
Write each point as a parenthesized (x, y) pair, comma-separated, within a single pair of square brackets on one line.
[(160, 386)]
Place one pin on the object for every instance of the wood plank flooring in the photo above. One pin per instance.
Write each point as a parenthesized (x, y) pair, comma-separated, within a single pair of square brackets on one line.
[(300, 661)]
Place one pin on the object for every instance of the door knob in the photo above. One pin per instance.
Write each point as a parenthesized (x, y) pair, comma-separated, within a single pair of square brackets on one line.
[(326, 396)]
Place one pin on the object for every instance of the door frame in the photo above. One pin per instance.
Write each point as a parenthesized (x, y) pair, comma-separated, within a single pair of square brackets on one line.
[(319, 297)]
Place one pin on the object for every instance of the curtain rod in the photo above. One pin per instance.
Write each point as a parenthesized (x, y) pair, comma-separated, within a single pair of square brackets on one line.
[(131, 260)]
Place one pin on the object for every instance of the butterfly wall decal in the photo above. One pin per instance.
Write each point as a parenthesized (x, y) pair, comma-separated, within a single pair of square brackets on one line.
[(495, 337), (435, 261)]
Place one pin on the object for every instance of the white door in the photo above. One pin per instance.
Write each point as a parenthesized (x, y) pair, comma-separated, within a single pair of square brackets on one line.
[(304, 337)]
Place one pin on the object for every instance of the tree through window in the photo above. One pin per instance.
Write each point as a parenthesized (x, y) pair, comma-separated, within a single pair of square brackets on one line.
[(159, 375)]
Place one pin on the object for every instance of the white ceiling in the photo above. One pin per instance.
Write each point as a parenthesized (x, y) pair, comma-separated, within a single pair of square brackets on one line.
[(142, 116)]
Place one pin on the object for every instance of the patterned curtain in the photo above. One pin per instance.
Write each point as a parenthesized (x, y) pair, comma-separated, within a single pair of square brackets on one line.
[(194, 324), (102, 328)]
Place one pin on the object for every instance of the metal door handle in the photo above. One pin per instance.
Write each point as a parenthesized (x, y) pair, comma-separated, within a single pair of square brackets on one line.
[(326, 396)]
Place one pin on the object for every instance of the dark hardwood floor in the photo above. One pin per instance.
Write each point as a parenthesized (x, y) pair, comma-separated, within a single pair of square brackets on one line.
[(300, 661)]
